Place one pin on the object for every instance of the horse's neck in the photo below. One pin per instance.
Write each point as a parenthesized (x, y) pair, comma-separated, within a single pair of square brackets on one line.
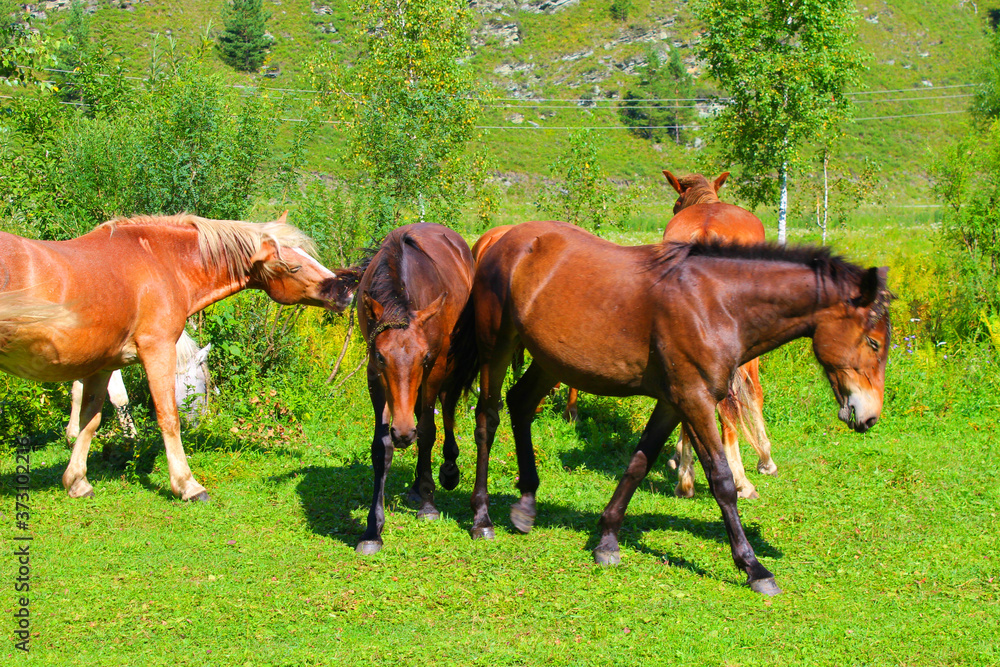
[(778, 303), (703, 196), (178, 248)]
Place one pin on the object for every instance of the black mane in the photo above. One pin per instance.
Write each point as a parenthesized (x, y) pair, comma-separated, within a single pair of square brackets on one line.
[(388, 283), (833, 270)]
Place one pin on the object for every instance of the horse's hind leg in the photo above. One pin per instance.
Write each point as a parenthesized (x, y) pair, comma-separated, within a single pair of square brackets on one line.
[(759, 440), (521, 401), (449, 473), (661, 423), (730, 444), (93, 391), (159, 360), (73, 427), (382, 450), (570, 413), (119, 399), (683, 460)]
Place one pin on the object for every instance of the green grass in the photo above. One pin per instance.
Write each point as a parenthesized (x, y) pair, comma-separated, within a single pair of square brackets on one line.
[(884, 543)]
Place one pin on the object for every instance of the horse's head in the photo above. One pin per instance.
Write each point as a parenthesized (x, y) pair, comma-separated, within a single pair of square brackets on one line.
[(851, 342), (695, 189), (191, 382), (293, 276), (403, 349)]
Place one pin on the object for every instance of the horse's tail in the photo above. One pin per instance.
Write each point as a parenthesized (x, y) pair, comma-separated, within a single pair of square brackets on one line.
[(750, 420), (463, 354)]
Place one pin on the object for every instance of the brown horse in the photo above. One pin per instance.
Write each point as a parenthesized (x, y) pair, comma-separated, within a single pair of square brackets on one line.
[(412, 294), (699, 217), (121, 295), (669, 321), (479, 249)]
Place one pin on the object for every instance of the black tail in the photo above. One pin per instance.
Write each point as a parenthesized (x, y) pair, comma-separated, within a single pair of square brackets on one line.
[(463, 355)]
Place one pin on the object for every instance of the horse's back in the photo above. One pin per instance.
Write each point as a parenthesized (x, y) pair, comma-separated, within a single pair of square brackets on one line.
[(488, 240), (714, 222)]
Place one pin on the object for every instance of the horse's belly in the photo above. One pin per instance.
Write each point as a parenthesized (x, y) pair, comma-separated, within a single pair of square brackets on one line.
[(63, 357)]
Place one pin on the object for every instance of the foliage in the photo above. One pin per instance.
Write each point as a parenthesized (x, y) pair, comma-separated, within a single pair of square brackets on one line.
[(243, 43), (785, 67), (986, 101), (832, 199), (582, 194), (661, 104), (620, 9), (409, 106)]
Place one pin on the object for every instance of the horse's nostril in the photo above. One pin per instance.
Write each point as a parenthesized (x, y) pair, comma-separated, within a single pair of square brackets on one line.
[(870, 422)]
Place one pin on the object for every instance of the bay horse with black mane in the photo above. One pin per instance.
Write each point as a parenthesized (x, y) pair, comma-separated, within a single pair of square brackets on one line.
[(120, 295), (670, 321), (699, 217), (411, 296)]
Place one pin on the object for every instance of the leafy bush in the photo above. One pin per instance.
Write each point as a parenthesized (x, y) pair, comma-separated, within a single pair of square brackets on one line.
[(620, 9)]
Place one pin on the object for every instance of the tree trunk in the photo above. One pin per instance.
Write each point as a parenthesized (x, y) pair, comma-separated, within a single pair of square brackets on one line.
[(783, 203), (826, 192)]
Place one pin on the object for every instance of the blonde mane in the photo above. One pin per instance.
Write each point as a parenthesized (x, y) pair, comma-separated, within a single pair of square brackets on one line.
[(229, 244)]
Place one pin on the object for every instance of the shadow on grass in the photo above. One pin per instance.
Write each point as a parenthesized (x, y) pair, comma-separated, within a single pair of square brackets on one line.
[(329, 495)]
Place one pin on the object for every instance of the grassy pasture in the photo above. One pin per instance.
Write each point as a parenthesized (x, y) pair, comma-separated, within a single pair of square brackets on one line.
[(884, 543)]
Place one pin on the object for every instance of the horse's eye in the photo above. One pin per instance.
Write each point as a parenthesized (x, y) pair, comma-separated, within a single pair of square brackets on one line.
[(427, 360), (873, 344), (379, 359), (295, 269)]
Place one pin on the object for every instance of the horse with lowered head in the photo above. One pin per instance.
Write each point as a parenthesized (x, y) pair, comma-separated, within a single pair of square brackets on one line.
[(121, 295), (412, 296), (699, 217), (671, 321)]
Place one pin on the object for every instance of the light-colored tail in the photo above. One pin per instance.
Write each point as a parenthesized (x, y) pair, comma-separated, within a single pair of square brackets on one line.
[(751, 420)]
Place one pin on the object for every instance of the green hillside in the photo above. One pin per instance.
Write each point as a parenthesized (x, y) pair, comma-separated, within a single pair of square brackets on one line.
[(557, 67)]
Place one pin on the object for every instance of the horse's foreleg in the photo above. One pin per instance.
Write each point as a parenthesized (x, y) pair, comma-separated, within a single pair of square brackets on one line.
[(699, 414), (521, 401), (159, 361), (423, 485), (119, 399), (73, 427), (382, 450), (92, 392), (661, 423), (491, 376), (449, 473)]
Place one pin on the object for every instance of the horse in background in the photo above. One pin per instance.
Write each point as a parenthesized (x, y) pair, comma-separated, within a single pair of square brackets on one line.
[(479, 248), (122, 293), (412, 295), (673, 322), (190, 389), (699, 217)]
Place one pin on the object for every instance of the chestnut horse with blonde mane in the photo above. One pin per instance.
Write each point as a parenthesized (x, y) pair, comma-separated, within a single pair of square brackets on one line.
[(699, 217), (672, 321), (120, 295), (411, 297)]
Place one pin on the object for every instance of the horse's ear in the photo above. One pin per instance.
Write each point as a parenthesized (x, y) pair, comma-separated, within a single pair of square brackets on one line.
[(721, 180), (202, 355), (674, 182), (373, 309), (430, 311), (873, 285), (283, 218)]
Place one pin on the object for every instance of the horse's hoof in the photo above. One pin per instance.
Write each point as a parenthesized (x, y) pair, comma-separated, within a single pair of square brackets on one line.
[(368, 547), (201, 497), (448, 475), (429, 514), (765, 586), (605, 557), (769, 469), (751, 495), (522, 519), (684, 491), (569, 416), (486, 533), (88, 494)]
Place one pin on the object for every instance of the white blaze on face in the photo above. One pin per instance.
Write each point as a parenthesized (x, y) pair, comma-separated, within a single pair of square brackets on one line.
[(308, 260)]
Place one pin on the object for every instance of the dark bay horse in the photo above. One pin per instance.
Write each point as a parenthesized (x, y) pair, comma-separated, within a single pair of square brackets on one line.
[(669, 321), (699, 217), (121, 295), (412, 294), (479, 248)]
